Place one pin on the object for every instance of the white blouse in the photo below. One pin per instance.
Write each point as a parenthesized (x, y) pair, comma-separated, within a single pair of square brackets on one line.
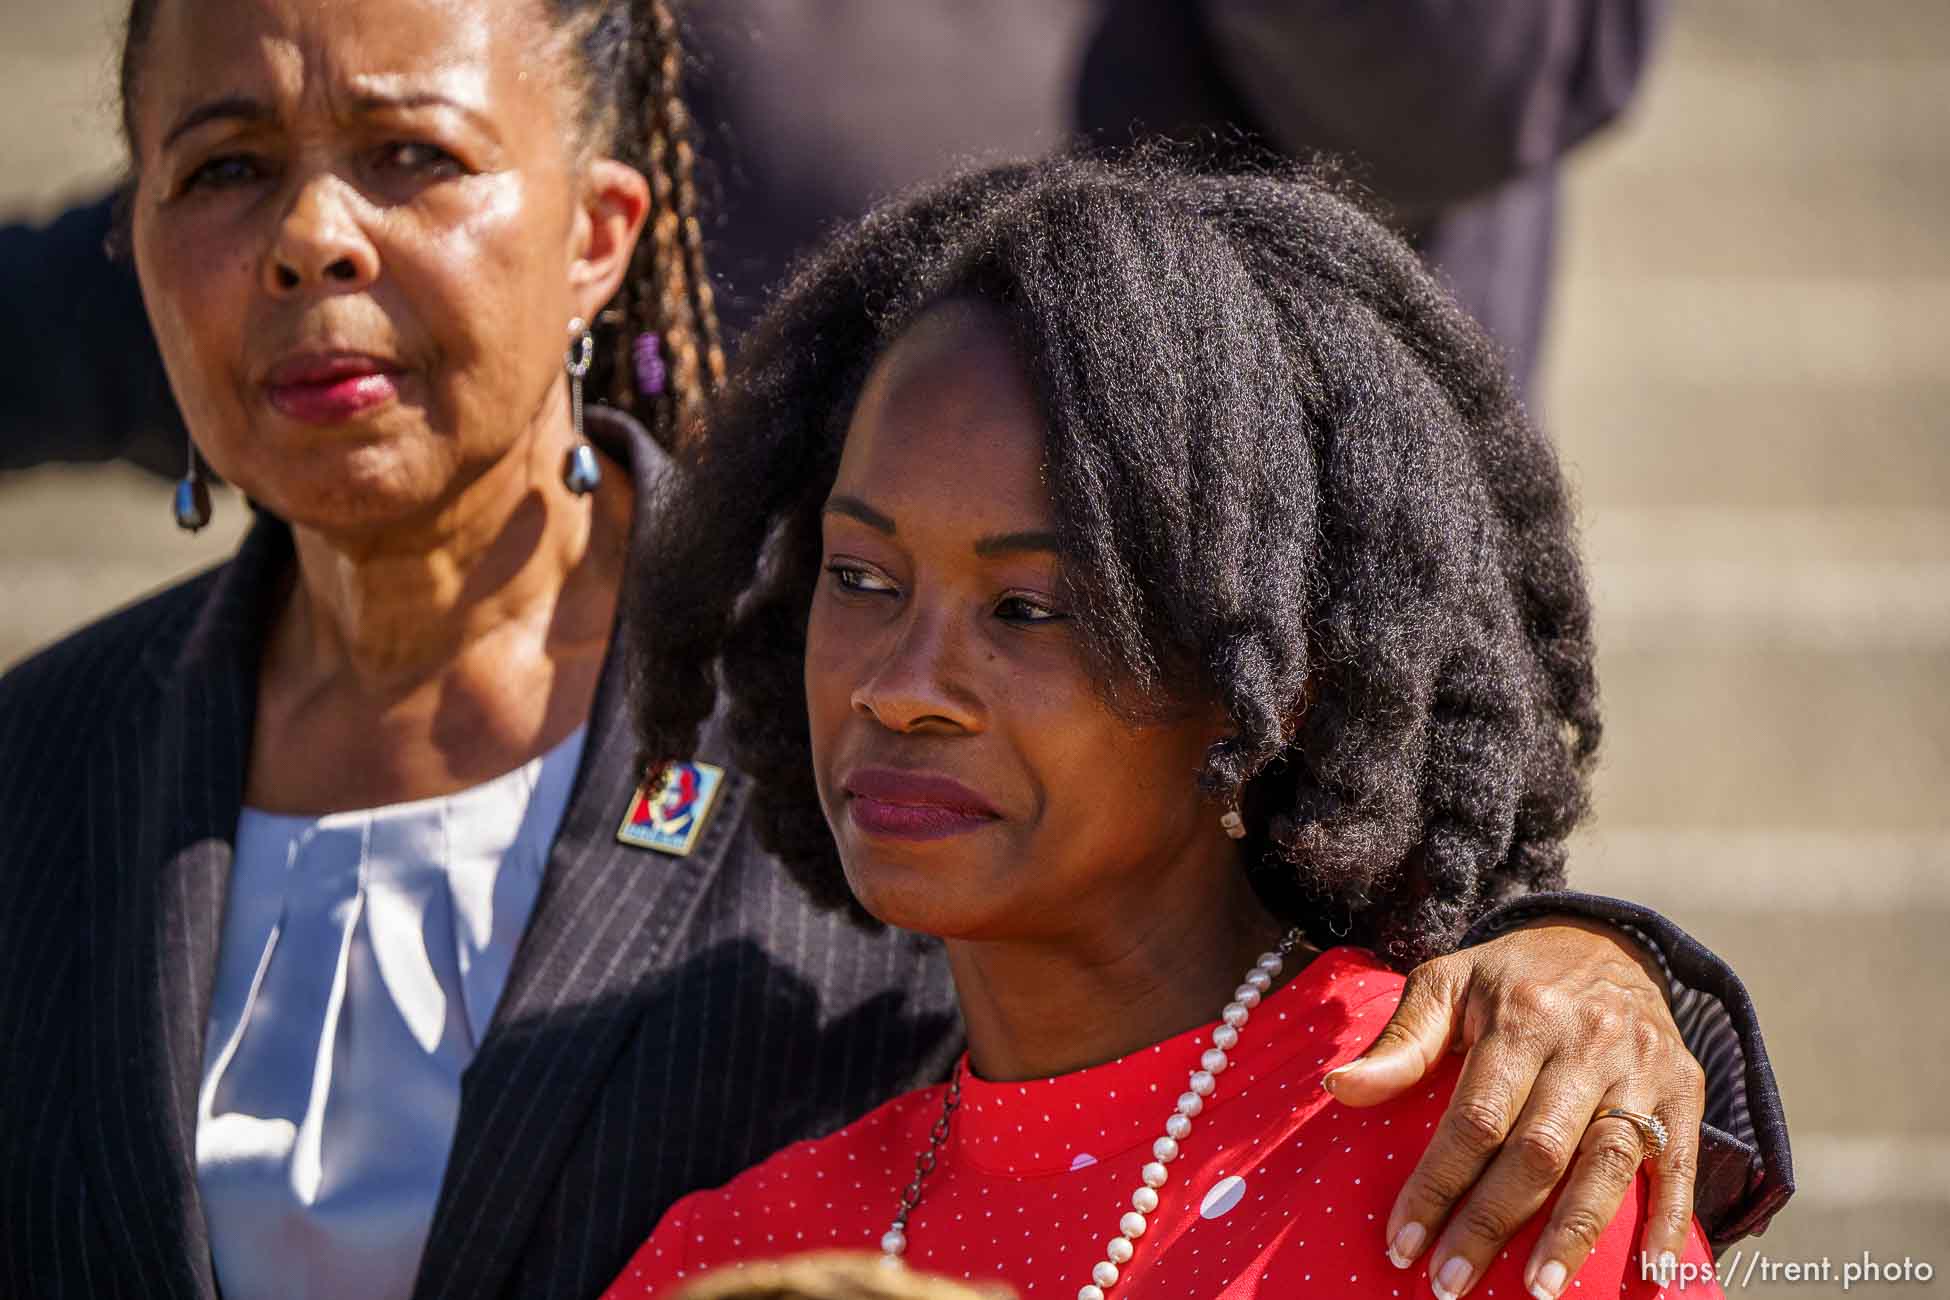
[(362, 956)]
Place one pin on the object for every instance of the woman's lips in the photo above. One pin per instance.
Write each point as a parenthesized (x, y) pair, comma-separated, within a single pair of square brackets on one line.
[(330, 389), (914, 805), (911, 821)]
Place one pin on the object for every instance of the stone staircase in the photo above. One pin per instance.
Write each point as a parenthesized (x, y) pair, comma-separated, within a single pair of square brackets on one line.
[(1748, 380)]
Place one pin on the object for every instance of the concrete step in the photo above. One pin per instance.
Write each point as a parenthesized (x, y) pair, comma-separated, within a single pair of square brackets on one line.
[(1749, 737), (1677, 579), (66, 148), (57, 67), (1786, 538), (1804, 31), (1740, 447), (1779, 870), (1710, 115), (115, 512), (78, 541), (73, 27), (1824, 608), (1654, 329), (1758, 223)]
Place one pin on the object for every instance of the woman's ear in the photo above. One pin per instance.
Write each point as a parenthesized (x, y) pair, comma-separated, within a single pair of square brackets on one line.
[(610, 212)]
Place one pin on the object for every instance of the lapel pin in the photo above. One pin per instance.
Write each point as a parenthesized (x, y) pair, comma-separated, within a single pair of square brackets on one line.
[(669, 819)]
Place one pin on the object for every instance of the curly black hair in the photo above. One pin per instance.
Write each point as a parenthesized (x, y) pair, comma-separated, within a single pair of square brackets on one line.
[(1287, 469)]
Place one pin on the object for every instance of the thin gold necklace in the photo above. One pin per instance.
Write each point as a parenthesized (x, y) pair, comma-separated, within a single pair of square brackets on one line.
[(1144, 1201)]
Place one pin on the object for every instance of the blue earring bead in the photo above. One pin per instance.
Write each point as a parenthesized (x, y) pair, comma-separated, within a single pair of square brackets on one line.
[(192, 503), (582, 473)]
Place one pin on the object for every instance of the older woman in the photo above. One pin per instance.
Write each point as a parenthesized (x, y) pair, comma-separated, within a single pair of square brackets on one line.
[(1188, 625), (340, 953)]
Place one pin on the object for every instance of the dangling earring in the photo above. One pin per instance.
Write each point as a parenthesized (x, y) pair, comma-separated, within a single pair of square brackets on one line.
[(192, 495), (582, 473), (1234, 824)]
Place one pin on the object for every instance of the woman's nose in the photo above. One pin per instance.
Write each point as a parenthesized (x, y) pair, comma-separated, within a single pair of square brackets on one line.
[(320, 243), (917, 684)]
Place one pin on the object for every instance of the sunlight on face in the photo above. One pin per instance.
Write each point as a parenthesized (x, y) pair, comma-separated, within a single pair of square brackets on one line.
[(352, 225), (976, 782)]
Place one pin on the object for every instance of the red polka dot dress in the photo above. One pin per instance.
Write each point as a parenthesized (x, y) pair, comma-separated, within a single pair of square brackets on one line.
[(1278, 1191)]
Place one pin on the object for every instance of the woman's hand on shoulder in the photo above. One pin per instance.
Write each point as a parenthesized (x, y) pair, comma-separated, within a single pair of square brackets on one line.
[(1560, 1019)]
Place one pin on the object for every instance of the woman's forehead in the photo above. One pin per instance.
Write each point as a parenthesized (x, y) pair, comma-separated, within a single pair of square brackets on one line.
[(339, 56), (948, 414)]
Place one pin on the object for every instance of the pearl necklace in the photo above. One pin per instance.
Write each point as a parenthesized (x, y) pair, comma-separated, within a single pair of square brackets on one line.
[(1144, 1201)]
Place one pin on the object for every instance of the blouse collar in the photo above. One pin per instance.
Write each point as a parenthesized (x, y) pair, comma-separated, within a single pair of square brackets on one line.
[(1061, 1124)]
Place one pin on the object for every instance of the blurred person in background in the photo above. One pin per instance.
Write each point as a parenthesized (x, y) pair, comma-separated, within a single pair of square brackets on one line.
[(1455, 116), (341, 953)]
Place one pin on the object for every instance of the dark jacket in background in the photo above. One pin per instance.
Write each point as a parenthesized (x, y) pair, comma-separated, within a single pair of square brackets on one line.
[(1454, 115)]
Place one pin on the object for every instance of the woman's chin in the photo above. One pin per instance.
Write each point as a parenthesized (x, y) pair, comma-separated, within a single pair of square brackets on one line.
[(930, 899), (353, 487)]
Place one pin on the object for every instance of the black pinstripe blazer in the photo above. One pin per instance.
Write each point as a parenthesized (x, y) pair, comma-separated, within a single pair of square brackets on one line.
[(667, 1021)]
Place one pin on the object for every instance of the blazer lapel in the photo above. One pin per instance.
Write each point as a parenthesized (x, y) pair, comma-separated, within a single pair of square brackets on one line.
[(607, 919), (159, 851)]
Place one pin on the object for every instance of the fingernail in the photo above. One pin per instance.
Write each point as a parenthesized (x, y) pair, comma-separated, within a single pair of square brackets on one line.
[(1549, 1281), (1328, 1080), (1406, 1245), (1668, 1267), (1453, 1280)]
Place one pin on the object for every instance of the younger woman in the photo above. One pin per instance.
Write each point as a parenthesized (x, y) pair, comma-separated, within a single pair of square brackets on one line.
[(1156, 592)]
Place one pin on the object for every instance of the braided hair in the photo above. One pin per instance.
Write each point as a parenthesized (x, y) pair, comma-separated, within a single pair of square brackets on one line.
[(1290, 475), (632, 60), (629, 58)]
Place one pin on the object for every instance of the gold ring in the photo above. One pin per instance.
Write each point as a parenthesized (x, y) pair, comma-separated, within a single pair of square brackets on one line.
[(1652, 1130)]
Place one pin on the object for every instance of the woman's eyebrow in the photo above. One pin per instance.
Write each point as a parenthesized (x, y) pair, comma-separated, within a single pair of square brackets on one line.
[(1010, 543), (855, 508), (995, 544), (242, 108), (237, 107), (380, 94)]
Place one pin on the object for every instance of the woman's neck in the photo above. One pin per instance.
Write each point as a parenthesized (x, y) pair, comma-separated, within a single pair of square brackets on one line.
[(420, 659), (1165, 965), (388, 608)]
